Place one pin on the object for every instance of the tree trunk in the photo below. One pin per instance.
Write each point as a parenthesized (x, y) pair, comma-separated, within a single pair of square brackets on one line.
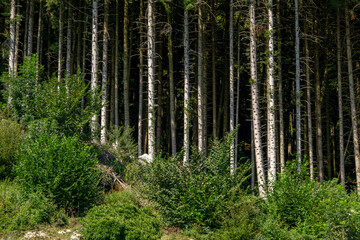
[(232, 97), (38, 43), (126, 64), (308, 103), (237, 96), (94, 67), (104, 73), (159, 98), (186, 87), (318, 108), (68, 44), (151, 79), (116, 85), (141, 79), (17, 39), (213, 70), (271, 101), (341, 118), (30, 29), (61, 29), (200, 82), (12, 38), (352, 100), (255, 104), (298, 93), (26, 26)]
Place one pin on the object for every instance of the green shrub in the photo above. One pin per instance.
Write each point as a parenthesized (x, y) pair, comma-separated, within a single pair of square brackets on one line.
[(63, 169), (195, 193), (307, 209), (21, 212), (125, 197), (121, 221), (10, 141)]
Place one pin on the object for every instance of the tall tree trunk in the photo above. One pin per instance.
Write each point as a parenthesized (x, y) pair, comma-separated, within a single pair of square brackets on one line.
[(12, 38), (308, 96), (341, 118), (94, 66), (104, 73), (186, 87), (271, 101), (200, 82), (68, 43), (31, 28), (255, 104), (126, 64), (319, 151), (213, 69), (26, 26), (298, 93), (232, 97), (83, 68), (352, 100), (151, 78), (159, 98), (39, 40), (61, 30), (17, 39), (237, 95), (172, 88), (116, 85), (281, 111), (141, 79)]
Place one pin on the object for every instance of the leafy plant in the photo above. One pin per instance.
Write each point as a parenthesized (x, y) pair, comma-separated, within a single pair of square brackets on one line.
[(63, 169)]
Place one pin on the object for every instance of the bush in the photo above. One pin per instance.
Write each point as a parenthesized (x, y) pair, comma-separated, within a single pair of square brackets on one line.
[(307, 209), (195, 193), (20, 212), (119, 221), (10, 141), (63, 169)]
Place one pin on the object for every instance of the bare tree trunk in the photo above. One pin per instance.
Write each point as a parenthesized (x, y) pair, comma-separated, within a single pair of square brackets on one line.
[(39, 40), (298, 93), (308, 96), (213, 70), (352, 100), (318, 108), (68, 44), (186, 87), (141, 79), (151, 79), (26, 26), (159, 109), (172, 89), (271, 101), (116, 85), (341, 118), (200, 82), (12, 38), (237, 96), (104, 74), (232, 98), (255, 104), (281, 112), (94, 67), (30, 29), (61, 30), (126, 63)]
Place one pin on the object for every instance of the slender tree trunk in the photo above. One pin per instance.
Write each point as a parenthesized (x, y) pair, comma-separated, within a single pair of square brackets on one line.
[(151, 78), (237, 95), (94, 66), (172, 89), (255, 104), (352, 100), (61, 30), (38, 43), (186, 87), (232, 97), (298, 93), (159, 98), (141, 79), (126, 64), (318, 108), (116, 85), (308, 96), (68, 44), (26, 26), (341, 118), (83, 70), (271, 101), (281, 112), (17, 39), (30, 29), (104, 73), (200, 82), (213, 70), (12, 38)]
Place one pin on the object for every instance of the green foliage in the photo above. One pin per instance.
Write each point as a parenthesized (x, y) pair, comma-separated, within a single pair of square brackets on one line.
[(121, 219), (195, 193), (10, 141), (62, 168), (301, 208), (124, 197), (20, 212)]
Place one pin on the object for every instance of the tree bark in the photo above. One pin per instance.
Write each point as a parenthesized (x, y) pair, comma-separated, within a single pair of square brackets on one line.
[(126, 64), (255, 104), (141, 79), (298, 93), (68, 44), (104, 73), (200, 82), (61, 29), (30, 29), (38, 43), (12, 38), (94, 67), (232, 97), (186, 87), (160, 110), (213, 70)]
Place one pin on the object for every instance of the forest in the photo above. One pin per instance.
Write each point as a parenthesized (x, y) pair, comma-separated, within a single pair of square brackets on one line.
[(179, 119)]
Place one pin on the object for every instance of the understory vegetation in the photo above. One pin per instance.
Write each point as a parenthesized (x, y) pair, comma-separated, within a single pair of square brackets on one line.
[(49, 174)]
